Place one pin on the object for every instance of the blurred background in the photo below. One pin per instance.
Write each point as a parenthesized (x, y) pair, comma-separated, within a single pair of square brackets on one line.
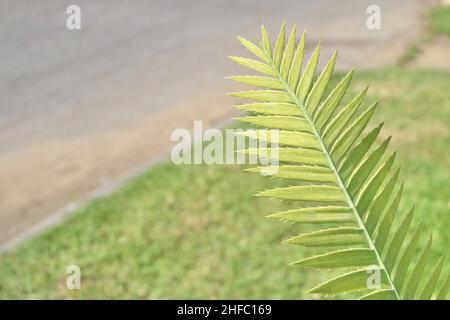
[(86, 114)]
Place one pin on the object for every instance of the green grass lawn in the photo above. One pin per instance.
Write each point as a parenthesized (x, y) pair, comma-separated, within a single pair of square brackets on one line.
[(196, 231), (440, 20)]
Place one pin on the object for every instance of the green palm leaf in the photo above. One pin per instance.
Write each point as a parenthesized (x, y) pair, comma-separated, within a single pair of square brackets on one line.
[(348, 183)]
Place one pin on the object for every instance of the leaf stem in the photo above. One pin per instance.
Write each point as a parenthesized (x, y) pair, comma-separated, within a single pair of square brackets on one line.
[(338, 177)]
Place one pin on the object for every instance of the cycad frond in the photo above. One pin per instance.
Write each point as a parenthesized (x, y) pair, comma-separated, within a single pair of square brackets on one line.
[(348, 181)]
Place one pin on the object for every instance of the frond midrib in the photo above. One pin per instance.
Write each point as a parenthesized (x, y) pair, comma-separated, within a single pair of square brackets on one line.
[(337, 174)]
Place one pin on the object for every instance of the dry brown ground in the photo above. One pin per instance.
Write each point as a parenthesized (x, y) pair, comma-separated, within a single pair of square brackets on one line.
[(54, 174), (434, 55)]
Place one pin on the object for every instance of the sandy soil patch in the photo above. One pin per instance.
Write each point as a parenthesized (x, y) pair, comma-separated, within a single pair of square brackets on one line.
[(434, 55), (43, 178)]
